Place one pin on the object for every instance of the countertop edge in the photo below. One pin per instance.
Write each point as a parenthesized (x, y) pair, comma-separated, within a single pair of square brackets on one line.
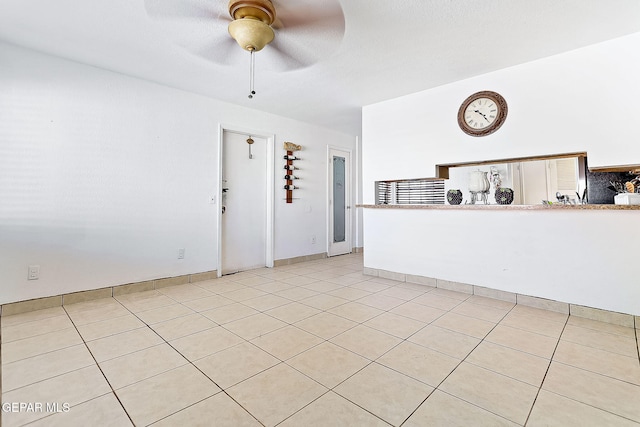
[(507, 207)]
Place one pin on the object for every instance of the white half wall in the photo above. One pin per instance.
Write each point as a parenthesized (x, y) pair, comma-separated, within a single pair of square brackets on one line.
[(584, 100), (103, 177), (585, 257)]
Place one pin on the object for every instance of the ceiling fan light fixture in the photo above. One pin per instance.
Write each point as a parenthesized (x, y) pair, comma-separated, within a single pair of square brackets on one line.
[(251, 28), (251, 34), (257, 9)]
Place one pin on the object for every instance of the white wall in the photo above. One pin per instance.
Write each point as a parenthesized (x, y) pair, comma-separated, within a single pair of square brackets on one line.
[(584, 100), (103, 177)]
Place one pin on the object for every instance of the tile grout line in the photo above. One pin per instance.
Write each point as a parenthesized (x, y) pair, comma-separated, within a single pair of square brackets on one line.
[(458, 365), (190, 363), (405, 340), (548, 367), (98, 365), (332, 389), (582, 369), (635, 322), (324, 340), (546, 371), (177, 351), (147, 326), (395, 346)]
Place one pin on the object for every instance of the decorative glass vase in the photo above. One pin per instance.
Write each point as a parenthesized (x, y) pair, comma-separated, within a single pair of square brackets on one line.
[(478, 182)]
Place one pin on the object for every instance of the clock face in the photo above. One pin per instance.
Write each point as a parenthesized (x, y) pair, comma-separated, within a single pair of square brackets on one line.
[(482, 113)]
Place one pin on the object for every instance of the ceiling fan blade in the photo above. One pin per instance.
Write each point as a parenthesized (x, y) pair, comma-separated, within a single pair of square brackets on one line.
[(303, 49), (308, 31), (309, 15), (224, 52), (192, 35), (277, 57), (198, 26), (185, 9)]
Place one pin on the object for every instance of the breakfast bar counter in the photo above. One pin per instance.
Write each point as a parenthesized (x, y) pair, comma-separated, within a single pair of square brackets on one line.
[(577, 254), (555, 206)]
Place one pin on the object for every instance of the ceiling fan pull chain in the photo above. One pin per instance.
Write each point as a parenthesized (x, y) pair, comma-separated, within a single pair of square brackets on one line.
[(252, 74)]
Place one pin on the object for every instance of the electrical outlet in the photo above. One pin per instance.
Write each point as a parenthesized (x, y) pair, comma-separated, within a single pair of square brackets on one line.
[(33, 272), (313, 240), (181, 253)]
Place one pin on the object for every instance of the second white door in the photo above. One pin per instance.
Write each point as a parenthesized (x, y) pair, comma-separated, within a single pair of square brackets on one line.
[(339, 202)]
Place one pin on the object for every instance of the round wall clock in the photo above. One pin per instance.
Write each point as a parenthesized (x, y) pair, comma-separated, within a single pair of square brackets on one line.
[(482, 113)]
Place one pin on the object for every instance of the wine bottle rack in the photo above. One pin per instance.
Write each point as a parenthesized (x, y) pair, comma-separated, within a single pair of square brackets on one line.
[(290, 175)]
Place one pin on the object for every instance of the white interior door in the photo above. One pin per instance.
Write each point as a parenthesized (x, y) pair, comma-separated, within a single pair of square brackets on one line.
[(339, 202), (244, 203)]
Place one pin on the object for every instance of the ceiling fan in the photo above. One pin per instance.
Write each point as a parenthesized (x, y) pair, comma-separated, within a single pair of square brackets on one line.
[(299, 33)]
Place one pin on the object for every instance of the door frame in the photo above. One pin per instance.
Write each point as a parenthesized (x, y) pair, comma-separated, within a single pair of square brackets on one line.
[(349, 201), (269, 226)]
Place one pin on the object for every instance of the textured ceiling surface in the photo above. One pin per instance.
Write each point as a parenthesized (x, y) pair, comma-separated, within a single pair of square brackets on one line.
[(330, 58)]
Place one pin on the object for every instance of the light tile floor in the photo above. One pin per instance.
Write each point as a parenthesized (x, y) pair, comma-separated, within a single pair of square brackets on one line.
[(315, 344)]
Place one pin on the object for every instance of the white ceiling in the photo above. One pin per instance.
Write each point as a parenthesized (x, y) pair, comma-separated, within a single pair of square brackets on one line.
[(390, 48)]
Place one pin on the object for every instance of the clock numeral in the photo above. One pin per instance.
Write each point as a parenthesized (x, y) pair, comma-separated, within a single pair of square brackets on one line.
[(492, 111), (492, 117)]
